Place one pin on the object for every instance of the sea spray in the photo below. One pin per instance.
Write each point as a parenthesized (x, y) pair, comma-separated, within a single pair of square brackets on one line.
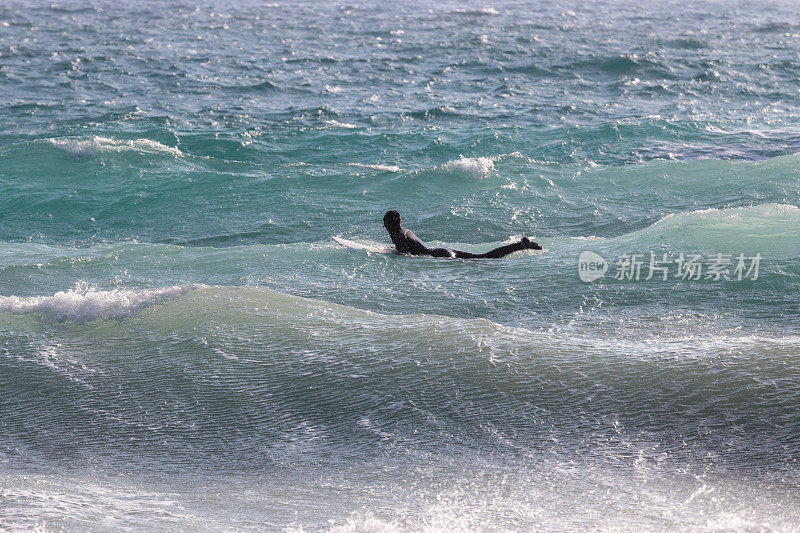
[(84, 302)]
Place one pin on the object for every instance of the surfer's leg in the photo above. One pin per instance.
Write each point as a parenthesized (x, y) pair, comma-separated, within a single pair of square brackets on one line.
[(442, 252), (467, 255), (497, 253), (501, 251)]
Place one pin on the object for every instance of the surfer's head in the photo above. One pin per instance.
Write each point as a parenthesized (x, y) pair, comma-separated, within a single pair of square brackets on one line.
[(391, 220)]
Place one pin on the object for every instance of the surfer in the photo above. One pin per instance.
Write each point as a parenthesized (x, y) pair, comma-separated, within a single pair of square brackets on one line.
[(407, 243)]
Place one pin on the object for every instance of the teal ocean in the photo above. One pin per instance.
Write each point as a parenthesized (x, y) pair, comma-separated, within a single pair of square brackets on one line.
[(183, 347)]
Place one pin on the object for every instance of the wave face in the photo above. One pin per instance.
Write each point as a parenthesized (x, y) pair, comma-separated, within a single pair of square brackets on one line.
[(182, 346), (248, 380), (352, 378)]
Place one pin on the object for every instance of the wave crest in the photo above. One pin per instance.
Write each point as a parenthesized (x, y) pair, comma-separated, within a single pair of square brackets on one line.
[(378, 167), (477, 167), (481, 11), (771, 228), (89, 148), (84, 303)]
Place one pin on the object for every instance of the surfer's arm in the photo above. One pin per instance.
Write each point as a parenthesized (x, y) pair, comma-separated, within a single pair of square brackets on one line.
[(412, 244)]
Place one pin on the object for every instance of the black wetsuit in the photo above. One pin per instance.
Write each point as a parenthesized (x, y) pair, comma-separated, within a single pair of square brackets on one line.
[(407, 243)]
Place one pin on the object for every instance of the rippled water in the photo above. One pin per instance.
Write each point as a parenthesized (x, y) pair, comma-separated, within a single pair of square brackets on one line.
[(182, 346)]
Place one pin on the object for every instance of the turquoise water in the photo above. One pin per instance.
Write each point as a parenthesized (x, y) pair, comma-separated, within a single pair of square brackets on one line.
[(183, 347)]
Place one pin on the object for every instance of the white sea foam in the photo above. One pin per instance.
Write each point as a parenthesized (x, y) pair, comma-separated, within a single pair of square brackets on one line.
[(41, 503), (87, 148), (477, 167), (379, 168), (337, 124), (84, 303), (477, 11)]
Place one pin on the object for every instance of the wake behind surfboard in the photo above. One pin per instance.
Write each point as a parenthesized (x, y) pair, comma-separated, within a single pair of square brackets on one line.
[(378, 249)]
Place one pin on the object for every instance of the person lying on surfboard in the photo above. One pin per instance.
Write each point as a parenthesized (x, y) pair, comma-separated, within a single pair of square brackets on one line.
[(407, 243)]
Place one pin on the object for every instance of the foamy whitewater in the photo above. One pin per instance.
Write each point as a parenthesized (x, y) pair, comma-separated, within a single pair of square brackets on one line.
[(183, 347)]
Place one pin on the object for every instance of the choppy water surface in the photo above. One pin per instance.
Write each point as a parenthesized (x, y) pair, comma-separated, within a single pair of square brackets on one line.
[(183, 347)]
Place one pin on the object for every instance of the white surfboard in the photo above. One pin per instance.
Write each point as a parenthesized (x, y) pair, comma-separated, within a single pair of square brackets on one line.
[(368, 247)]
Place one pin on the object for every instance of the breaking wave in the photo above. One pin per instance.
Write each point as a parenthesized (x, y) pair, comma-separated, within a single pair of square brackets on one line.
[(84, 302), (88, 148), (477, 167)]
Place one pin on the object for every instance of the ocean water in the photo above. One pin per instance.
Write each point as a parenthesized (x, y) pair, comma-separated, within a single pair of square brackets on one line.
[(183, 347)]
